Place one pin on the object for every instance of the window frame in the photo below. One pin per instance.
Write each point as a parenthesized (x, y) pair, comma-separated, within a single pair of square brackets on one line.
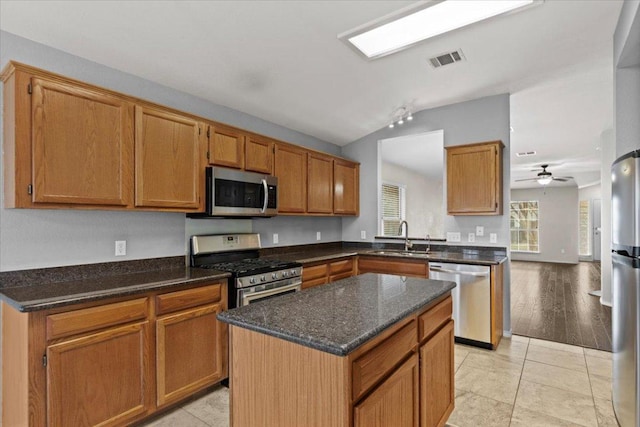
[(525, 230)]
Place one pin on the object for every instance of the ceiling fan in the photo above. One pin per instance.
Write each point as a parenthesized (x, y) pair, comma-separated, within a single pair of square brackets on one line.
[(545, 177)]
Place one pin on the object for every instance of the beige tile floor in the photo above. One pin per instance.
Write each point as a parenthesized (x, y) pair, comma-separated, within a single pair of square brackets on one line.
[(525, 382)]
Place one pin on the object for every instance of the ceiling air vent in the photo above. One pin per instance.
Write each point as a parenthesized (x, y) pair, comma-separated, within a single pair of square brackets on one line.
[(525, 154), (447, 58)]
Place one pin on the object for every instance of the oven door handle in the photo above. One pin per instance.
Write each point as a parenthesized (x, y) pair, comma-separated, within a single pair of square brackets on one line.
[(267, 293), (266, 195)]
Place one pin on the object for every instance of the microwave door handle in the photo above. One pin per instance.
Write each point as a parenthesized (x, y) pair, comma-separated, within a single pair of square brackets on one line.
[(266, 195)]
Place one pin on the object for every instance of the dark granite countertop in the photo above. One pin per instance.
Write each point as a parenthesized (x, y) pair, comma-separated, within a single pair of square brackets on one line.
[(41, 289), (443, 254), (339, 317)]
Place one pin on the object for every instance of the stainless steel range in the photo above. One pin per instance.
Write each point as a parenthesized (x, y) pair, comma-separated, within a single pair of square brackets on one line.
[(252, 278)]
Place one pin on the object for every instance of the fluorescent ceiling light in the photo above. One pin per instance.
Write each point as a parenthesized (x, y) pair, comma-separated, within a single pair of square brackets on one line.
[(433, 18)]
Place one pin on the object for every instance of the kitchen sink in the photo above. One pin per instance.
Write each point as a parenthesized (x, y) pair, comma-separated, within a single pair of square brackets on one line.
[(399, 252)]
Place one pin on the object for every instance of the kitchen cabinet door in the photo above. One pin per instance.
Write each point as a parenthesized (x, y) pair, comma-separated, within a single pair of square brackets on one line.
[(291, 169), (82, 145), (100, 378), (437, 378), (346, 193), (474, 179), (394, 402), (169, 166), (190, 352), (258, 154), (320, 187), (226, 146)]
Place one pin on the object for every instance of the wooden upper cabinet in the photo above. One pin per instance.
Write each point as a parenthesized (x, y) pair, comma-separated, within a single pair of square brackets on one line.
[(82, 145), (474, 179), (226, 146), (346, 191), (258, 154), (169, 169), (320, 184), (290, 166)]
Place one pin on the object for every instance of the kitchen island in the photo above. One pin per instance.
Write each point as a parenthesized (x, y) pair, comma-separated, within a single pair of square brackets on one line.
[(372, 349)]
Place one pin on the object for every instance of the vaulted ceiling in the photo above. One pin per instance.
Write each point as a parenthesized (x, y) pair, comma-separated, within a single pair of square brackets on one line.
[(282, 61)]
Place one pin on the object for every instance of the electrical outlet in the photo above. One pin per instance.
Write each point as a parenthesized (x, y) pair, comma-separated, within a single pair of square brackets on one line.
[(318, 235), (479, 230), (561, 251), (471, 238), (453, 236), (275, 238), (493, 237), (121, 247), (363, 234)]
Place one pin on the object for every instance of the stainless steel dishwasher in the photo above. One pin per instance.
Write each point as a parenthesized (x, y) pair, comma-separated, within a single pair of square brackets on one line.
[(471, 300)]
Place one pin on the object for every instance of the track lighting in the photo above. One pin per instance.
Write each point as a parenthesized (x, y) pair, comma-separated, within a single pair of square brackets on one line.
[(399, 116)]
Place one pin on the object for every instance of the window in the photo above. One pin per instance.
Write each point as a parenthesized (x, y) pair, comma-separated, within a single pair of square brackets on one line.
[(524, 225), (585, 228), (393, 206)]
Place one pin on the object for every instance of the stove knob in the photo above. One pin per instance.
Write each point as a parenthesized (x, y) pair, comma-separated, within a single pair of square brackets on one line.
[(274, 275), (262, 279), (285, 273), (252, 280), (293, 272)]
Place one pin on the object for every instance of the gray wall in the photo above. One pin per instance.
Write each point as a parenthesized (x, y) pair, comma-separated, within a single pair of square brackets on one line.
[(43, 238), (558, 223), (483, 119)]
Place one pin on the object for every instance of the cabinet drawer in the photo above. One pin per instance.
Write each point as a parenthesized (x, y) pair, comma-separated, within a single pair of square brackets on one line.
[(314, 282), (430, 321), (368, 369), (341, 266), (314, 272), (340, 276), (89, 319), (389, 266), (174, 301)]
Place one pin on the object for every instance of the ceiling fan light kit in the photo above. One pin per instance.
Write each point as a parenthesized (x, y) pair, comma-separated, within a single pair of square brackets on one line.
[(545, 177)]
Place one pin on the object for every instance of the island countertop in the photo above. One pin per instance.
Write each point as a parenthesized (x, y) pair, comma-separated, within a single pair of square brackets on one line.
[(339, 317)]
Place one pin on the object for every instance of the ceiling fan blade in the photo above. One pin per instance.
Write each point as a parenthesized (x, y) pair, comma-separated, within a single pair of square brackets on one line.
[(526, 179), (559, 179), (563, 177)]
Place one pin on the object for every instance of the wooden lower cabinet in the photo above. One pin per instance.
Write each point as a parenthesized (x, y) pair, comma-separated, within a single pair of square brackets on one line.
[(387, 265), (402, 377), (394, 402), (189, 354), (327, 272), (99, 379), (111, 363), (437, 392)]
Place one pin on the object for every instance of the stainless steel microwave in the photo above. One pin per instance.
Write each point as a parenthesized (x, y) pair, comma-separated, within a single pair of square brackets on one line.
[(237, 193)]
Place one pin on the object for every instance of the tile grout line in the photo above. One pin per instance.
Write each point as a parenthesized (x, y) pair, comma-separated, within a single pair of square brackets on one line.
[(515, 399)]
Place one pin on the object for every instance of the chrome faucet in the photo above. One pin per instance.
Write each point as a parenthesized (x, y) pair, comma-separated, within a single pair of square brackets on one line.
[(407, 243), (428, 244)]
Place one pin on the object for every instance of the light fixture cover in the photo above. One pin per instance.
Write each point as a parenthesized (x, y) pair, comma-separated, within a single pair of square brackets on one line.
[(414, 24), (544, 180)]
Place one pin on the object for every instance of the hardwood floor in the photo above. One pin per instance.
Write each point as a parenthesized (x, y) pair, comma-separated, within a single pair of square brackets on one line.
[(551, 301)]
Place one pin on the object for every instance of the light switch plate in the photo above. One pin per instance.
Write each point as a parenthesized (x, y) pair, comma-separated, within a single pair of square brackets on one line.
[(493, 237), (318, 235), (275, 238), (472, 237), (453, 236), (479, 230), (363, 234)]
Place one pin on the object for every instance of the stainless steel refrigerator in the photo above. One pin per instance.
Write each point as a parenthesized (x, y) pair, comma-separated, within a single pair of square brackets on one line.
[(625, 276)]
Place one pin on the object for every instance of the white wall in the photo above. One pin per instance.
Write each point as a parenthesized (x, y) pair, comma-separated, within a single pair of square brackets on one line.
[(32, 238), (557, 221), (590, 192), (424, 201), (608, 149), (484, 119)]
